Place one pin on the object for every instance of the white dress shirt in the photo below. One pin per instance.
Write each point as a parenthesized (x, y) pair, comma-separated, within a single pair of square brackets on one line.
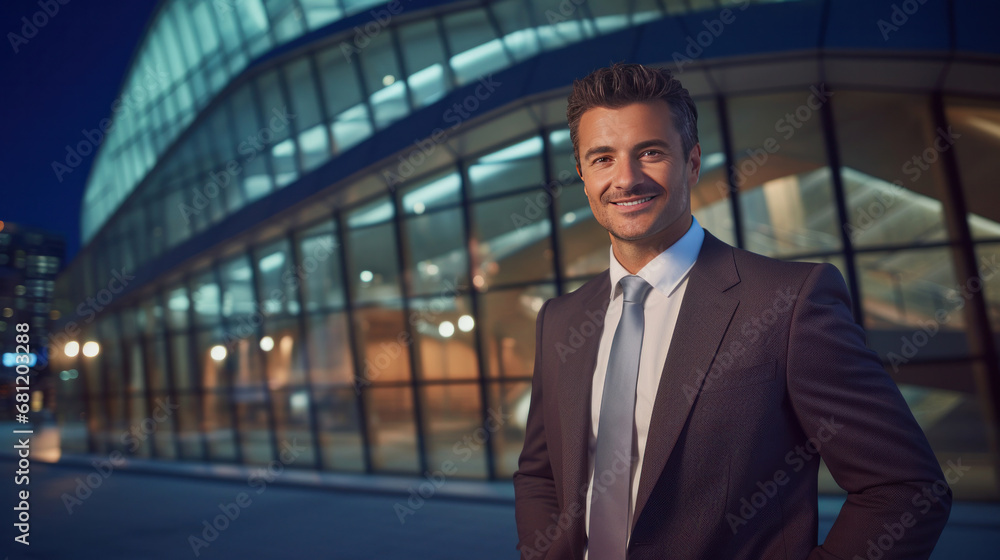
[(667, 273)]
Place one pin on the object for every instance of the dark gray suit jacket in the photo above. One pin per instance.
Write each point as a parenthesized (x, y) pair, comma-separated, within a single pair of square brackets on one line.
[(766, 371)]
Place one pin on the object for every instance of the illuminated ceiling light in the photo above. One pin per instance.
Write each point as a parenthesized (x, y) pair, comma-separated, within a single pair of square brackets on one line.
[(569, 217), (388, 80), (466, 323), (479, 281), (71, 349), (267, 344), (418, 208), (446, 329), (91, 349), (218, 352), (432, 269), (367, 276)]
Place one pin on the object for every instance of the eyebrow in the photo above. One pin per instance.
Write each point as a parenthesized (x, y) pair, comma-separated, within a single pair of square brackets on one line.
[(640, 146)]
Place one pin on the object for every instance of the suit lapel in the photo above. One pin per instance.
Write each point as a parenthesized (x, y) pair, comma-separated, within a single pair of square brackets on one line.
[(704, 317)]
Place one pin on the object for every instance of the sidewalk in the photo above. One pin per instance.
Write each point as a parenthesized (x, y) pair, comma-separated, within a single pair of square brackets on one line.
[(161, 510)]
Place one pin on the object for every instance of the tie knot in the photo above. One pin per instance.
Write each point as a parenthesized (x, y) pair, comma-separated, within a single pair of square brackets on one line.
[(634, 289)]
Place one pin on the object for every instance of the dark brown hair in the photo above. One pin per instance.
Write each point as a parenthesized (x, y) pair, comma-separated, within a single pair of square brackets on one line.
[(622, 84)]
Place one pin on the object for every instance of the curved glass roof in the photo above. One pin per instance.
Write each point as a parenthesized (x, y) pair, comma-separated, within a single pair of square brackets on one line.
[(194, 48)]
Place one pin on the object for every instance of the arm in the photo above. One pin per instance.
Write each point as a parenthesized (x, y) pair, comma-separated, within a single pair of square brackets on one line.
[(534, 487), (879, 455)]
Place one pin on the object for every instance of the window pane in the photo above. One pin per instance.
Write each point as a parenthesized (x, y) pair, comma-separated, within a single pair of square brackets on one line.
[(339, 429), (350, 122), (437, 254), (238, 301), (883, 139), (511, 242), (976, 125), (476, 50), (439, 189), (205, 294), (330, 351), (786, 196), (322, 282), (276, 135), (278, 279), (284, 354), (455, 435), (425, 62), (904, 292), (444, 330), (391, 429), (710, 197), (512, 167), (515, 24), (383, 345), (373, 275), (382, 78), (291, 411), (177, 308), (507, 328), (989, 272), (510, 399)]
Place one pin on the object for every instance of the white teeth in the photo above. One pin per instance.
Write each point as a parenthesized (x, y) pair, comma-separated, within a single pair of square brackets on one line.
[(634, 202)]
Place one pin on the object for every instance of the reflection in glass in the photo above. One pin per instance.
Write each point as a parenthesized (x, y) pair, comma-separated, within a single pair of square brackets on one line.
[(509, 400), (339, 428), (911, 291), (882, 139), (373, 269), (437, 256), (509, 168), (977, 123), (444, 331), (456, 439), (786, 196), (511, 241), (507, 328), (391, 430)]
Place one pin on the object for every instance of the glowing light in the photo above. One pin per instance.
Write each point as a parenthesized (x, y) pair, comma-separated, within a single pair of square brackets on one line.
[(91, 349), (367, 276), (466, 323), (418, 208), (218, 352), (267, 344), (388, 80), (71, 349), (446, 329)]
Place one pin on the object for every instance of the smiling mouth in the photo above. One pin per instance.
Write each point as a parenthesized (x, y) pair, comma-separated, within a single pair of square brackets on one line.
[(633, 202)]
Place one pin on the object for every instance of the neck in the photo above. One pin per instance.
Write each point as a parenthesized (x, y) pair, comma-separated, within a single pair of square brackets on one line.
[(635, 254)]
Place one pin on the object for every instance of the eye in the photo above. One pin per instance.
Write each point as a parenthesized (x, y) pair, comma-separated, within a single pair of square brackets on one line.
[(601, 159), (651, 152)]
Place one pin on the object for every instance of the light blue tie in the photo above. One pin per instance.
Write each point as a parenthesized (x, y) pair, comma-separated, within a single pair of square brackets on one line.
[(613, 459)]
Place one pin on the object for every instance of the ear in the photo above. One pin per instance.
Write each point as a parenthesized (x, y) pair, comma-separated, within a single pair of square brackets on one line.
[(578, 172), (694, 160)]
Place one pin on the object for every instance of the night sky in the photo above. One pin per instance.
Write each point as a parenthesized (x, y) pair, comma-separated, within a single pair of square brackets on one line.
[(59, 83)]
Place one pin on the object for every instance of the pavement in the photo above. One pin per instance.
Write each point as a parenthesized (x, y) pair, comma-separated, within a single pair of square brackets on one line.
[(153, 510)]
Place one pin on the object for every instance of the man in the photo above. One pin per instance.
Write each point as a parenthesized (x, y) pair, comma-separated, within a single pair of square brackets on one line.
[(690, 422)]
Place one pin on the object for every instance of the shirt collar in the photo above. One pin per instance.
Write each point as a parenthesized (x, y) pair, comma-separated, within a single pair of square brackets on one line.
[(667, 269)]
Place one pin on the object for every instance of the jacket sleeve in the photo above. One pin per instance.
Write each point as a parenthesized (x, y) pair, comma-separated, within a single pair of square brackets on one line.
[(897, 497), (534, 486)]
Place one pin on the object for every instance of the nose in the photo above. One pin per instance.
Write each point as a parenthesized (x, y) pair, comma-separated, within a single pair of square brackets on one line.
[(628, 174)]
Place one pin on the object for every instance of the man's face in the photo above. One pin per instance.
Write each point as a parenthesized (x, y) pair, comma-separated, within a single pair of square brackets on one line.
[(635, 172)]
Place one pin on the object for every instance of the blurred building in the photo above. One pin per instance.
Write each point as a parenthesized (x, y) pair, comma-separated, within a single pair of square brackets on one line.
[(30, 259), (334, 222)]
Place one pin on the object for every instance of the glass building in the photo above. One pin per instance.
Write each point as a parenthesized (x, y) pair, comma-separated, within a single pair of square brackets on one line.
[(338, 219)]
